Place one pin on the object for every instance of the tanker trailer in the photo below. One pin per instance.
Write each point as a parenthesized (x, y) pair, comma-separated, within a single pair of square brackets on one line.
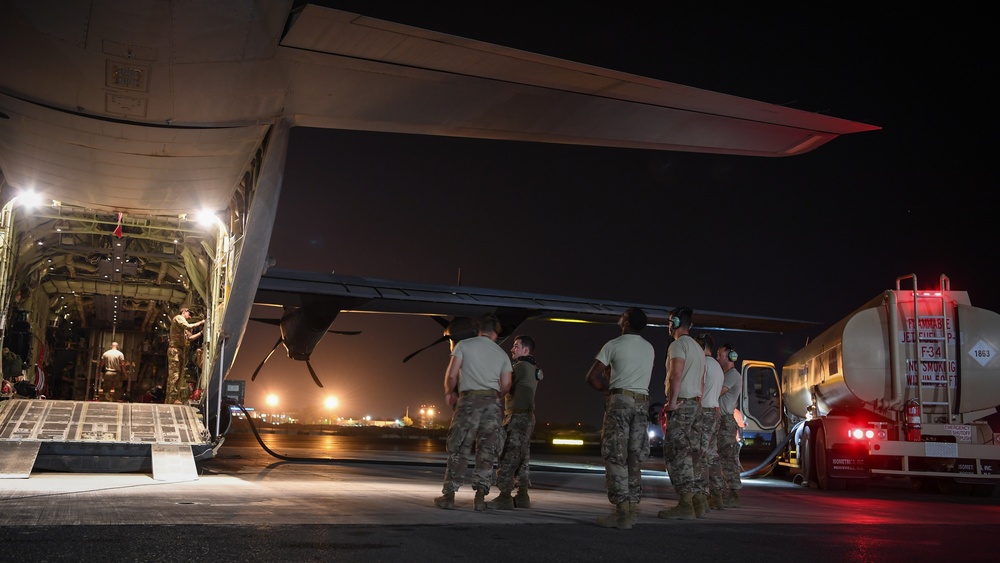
[(900, 387)]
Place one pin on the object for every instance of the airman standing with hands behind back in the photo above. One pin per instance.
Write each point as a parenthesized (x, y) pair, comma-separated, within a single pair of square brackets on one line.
[(729, 445), (682, 440), (711, 482), (478, 376), (114, 373), (622, 370)]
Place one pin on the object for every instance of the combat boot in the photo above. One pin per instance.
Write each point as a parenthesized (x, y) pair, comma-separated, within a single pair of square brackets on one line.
[(522, 500), (503, 501), (700, 505), (619, 518), (732, 500), (445, 501), (683, 511), (715, 502), (480, 503)]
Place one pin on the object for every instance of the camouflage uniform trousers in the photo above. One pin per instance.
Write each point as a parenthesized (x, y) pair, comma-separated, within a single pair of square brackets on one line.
[(173, 375), (477, 422), (513, 464), (729, 452), (712, 481), (111, 385), (624, 446), (682, 445)]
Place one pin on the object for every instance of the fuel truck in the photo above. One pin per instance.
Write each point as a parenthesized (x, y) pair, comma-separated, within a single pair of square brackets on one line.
[(901, 387)]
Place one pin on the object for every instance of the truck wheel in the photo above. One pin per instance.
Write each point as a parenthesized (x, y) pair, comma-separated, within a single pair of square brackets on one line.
[(948, 486), (823, 477), (805, 456)]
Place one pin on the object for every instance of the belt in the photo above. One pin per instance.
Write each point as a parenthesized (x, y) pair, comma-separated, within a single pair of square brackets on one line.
[(634, 394), (483, 392), (686, 399), (706, 409), (521, 411)]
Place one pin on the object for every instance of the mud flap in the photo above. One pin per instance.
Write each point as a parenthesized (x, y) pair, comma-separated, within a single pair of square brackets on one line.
[(17, 459), (173, 463)]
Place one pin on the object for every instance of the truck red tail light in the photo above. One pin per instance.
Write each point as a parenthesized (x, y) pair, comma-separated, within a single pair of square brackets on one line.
[(861, 433)]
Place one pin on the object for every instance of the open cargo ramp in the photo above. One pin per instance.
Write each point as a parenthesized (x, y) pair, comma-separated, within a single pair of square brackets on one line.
[(82, 436)]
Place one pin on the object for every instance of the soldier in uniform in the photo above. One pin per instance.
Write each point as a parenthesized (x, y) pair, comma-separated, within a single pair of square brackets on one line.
[(114, 373), (710, 481), (729, 445), (181, 333), (685, 378), (12, 365), (478, 376), (518, 424), (628, 361)]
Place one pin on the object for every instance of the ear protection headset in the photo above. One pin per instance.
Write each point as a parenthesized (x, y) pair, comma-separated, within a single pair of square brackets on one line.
[(732, 355), (675, 317)]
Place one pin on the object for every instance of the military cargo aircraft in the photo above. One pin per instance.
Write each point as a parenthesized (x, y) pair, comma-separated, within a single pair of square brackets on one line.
[(122, 122)]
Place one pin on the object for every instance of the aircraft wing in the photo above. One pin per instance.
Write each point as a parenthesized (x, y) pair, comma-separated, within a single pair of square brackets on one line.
[(161, 106), (354, 294), (419, 81)]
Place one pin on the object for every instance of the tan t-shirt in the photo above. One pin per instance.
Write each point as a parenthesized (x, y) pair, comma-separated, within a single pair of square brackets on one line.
[(482, 363), (687, 349), (630, 357), (113, 360), (713, 383)]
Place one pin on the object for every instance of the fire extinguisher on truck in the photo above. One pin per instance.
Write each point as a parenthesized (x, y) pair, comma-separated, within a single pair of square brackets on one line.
[(912, 421)]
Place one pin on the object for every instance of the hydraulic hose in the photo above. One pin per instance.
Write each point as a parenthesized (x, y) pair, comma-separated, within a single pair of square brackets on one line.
[(344, 461), (750, 473), (339, 461)]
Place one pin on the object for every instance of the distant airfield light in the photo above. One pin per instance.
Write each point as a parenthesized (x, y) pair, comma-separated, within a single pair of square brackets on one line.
[(272, 400), (330, 402)]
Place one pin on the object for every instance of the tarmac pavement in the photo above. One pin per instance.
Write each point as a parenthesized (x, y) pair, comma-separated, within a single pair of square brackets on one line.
[(249, 507)]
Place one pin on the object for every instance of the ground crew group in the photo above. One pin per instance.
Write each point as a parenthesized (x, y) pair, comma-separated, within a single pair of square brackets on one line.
[(700, 451)]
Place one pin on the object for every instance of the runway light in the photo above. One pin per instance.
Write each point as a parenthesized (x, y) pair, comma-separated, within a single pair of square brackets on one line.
[(567, 442)]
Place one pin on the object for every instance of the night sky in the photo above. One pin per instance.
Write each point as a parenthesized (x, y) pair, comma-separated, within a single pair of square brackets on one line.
[(809, 237)]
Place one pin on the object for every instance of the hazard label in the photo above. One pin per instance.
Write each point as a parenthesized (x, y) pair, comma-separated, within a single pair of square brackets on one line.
[(983, 353)]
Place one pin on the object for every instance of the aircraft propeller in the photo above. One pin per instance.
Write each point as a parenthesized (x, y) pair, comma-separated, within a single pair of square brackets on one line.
[(460, 328), (456, 330), (301, 329)]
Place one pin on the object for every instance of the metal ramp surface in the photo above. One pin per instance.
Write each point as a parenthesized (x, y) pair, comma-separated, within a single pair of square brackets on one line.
[(80, 433)]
